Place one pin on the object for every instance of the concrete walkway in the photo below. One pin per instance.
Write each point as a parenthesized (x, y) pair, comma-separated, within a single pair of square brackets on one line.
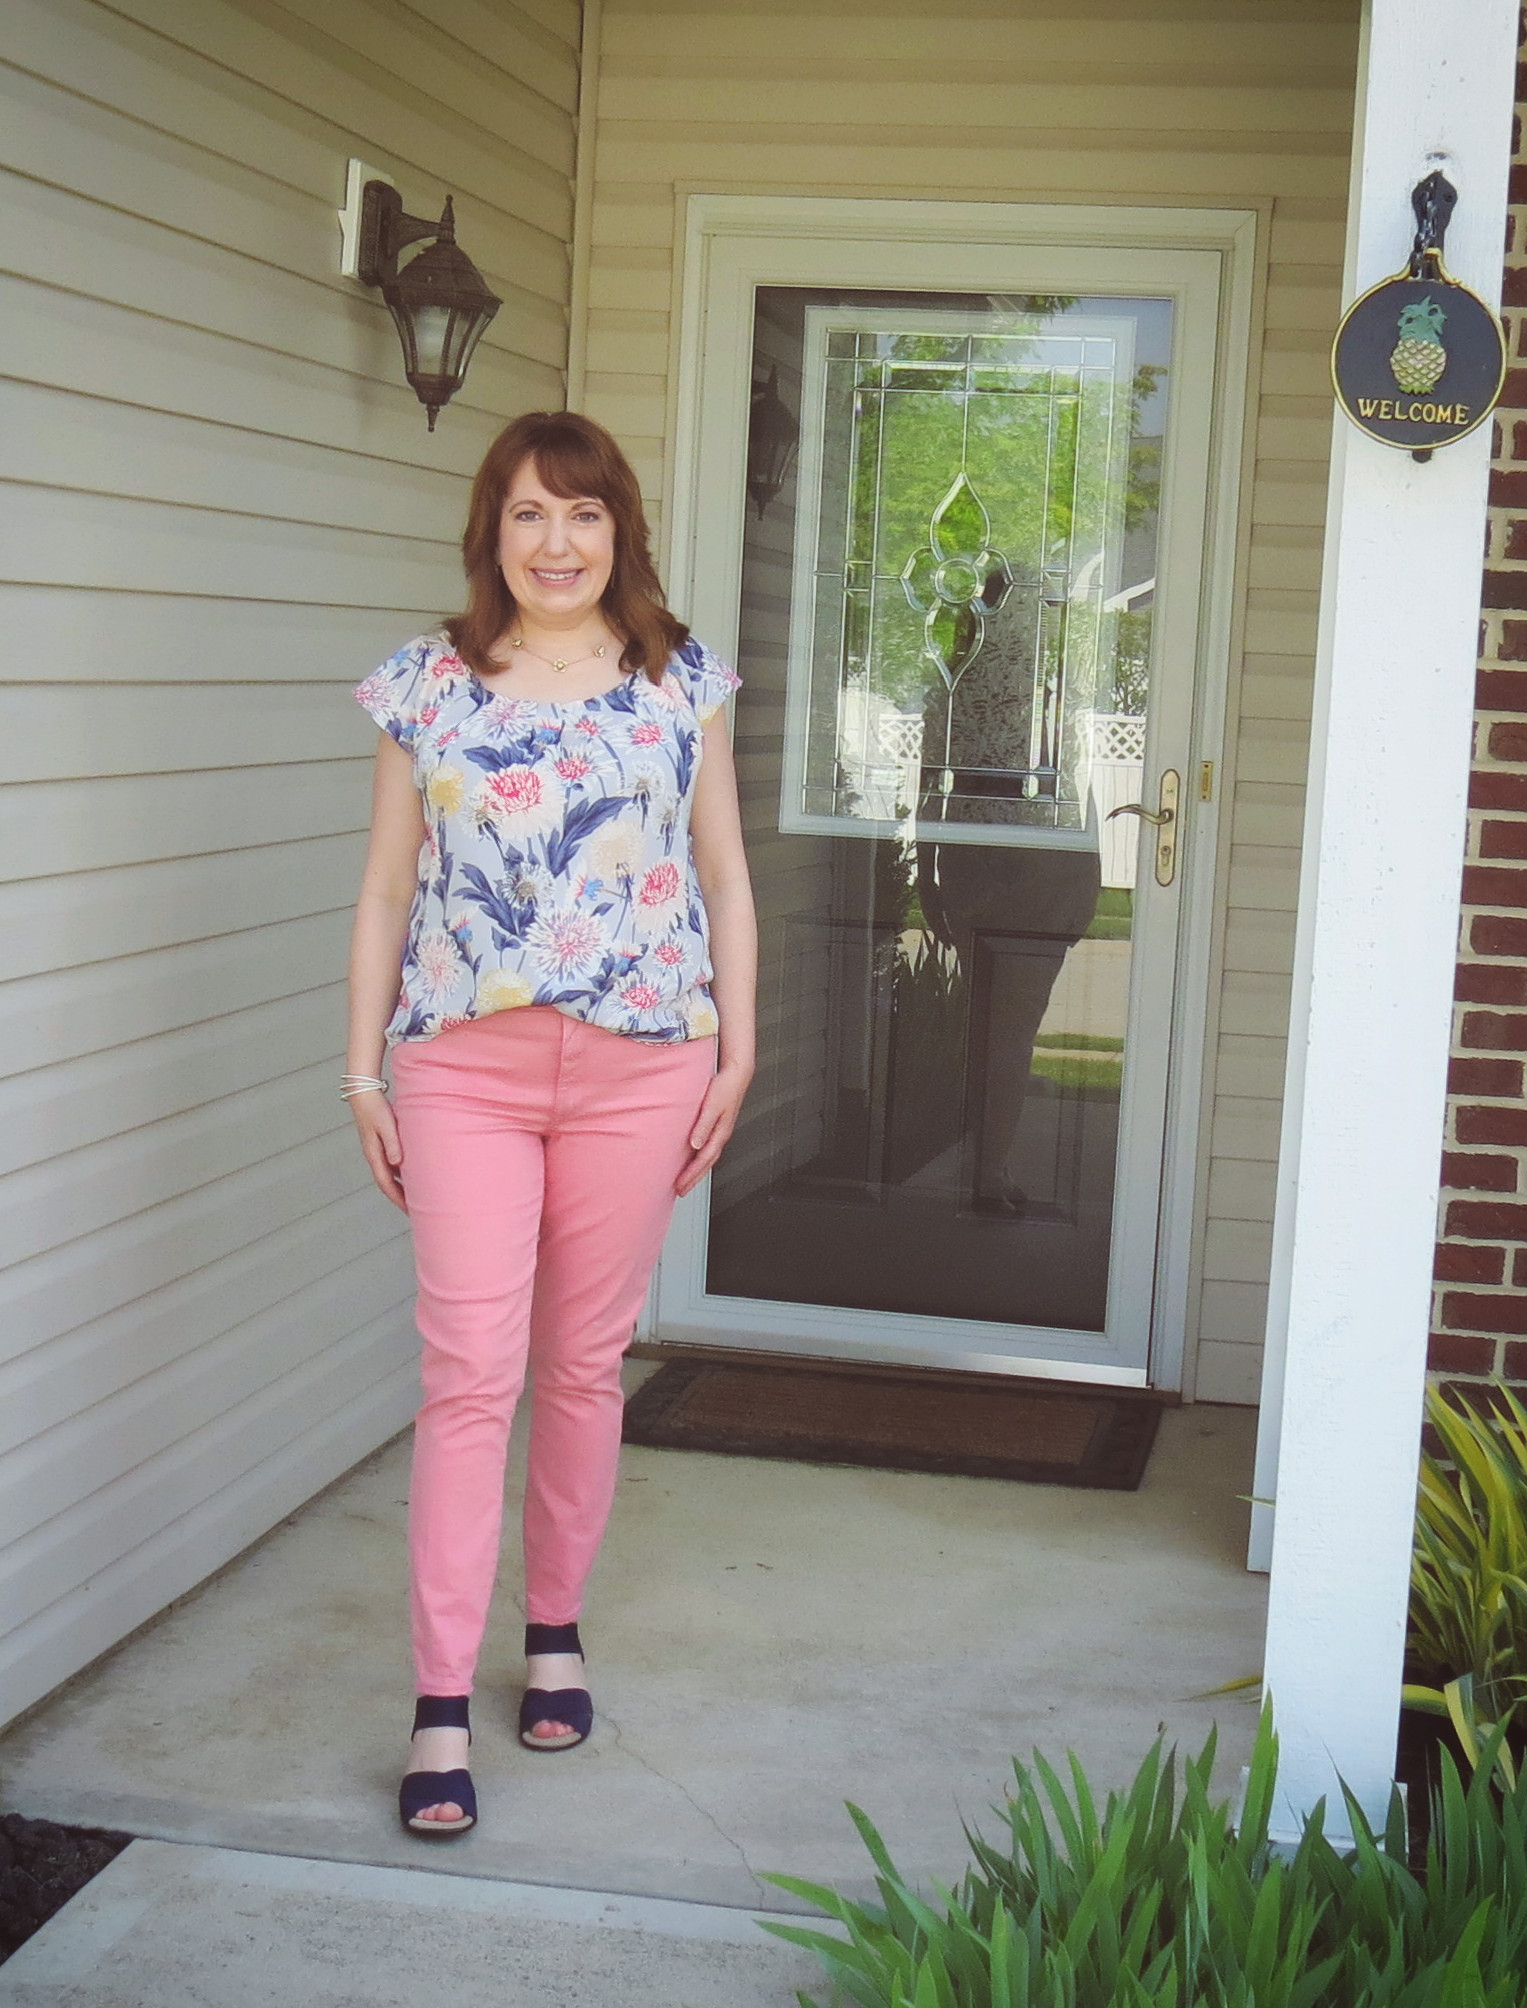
[(766, 1641), (167, 1926)]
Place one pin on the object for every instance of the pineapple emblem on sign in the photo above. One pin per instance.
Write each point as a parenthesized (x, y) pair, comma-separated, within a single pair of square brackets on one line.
[(1394, 375), (1419, 358)]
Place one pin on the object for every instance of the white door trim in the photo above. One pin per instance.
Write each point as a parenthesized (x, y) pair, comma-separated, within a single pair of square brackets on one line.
[(733, 243)]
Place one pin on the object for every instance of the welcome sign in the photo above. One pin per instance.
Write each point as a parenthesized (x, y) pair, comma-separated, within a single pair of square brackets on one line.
[(1418, 361)]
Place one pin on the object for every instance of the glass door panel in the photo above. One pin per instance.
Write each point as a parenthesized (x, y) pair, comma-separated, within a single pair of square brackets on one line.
[(945, 633)]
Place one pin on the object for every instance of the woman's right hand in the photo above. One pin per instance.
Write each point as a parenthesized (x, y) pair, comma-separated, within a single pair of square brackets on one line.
[(380, 1142)]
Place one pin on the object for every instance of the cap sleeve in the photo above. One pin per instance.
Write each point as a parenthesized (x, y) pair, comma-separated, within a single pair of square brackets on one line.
[(393, 693), (707, 680)]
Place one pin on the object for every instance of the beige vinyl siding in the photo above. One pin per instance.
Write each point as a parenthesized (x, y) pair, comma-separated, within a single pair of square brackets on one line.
[(219, 507), (1222, 103)]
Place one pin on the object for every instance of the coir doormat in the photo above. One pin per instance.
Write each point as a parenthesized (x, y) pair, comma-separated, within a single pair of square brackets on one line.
[(978, 1427)]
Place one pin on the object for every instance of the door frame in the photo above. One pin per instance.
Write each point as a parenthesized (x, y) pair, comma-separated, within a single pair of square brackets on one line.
[(731, 244)]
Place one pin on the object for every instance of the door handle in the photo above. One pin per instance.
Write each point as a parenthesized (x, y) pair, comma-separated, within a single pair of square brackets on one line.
[(1163, 820)]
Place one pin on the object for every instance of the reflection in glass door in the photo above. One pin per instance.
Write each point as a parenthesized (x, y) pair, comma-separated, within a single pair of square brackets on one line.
[(946, 643)]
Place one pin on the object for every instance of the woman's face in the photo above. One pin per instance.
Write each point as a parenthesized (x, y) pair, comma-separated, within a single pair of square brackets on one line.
[(556, 554)]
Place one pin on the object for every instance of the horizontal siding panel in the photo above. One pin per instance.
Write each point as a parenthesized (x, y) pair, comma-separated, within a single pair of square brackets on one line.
[(805, 99), (150, 1501), (96, 917), (156, 1413), (180, 207), (514, 41), (58, 440), (101, 350), (364, 36), (137, 819), (50, 1294), (1272, 750), (746, 41), (56, 537), (1246, 1127), (1259, 942), (45, 1020), (1230, 1374), (1234, 1313), (59, 634), (1237, 1251), (984, 164), (329, 1423), (50, 1204), (168, 728), (1241, 1189), (122, 66), (421, 132), (1251, 1066), (47, 1386), (127, 1087), (1256, 1002), (1267, 879)]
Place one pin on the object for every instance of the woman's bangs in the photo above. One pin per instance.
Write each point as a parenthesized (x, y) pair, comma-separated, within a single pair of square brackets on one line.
[(573, 468)]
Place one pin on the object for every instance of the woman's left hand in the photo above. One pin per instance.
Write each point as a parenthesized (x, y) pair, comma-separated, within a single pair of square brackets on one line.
[(715, 1123)]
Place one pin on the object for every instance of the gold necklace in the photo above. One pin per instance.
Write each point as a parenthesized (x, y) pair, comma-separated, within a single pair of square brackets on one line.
[(592, 655)]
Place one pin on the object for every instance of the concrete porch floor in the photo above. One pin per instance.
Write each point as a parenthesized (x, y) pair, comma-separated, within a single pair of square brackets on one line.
[(766, 1640)]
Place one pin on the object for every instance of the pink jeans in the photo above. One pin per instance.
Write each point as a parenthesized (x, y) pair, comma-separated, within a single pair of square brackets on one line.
[(539, 1158)]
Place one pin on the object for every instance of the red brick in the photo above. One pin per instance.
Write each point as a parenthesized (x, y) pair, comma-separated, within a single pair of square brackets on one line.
[(1485, 1220), (1514, 1366), (1503, 840), (1477, 1171), (1490, 983), (1518, 183), (1508, 589), (1494, 885), (1513, 395), (1519, 1270), (1449, 1353), (1508, 489), (1508, 741), (1465, 1311), (1495, 934), (1491, 1125), (1491, 789), (1463, 1263), (1484, 1077), (1494, 1031), (1504, 689)]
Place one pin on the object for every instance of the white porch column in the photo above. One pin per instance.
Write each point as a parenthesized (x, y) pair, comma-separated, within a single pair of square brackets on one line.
[(1378, 917)]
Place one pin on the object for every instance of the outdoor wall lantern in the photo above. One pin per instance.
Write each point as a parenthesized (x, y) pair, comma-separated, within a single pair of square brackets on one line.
[(773, 436), (438, 300)]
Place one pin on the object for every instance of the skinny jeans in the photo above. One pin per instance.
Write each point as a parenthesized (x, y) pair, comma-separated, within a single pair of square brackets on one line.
[(539, 1160)]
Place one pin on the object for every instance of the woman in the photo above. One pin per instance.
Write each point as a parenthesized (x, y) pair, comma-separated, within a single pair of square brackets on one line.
[(556, 871)]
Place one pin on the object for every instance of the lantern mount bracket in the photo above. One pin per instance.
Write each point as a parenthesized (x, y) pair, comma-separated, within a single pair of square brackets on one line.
[(386, 228)]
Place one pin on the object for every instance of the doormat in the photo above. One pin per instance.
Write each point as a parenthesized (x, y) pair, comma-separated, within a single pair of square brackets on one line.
[(983, 1427)]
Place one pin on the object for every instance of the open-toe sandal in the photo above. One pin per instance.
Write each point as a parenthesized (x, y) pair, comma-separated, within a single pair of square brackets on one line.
[(571, 1705), (439, 1788)]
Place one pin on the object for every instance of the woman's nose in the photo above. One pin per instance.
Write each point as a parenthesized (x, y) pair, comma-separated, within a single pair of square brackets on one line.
[(556, 537)]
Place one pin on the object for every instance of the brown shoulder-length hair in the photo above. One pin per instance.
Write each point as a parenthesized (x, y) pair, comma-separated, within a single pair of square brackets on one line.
[(574, 457)]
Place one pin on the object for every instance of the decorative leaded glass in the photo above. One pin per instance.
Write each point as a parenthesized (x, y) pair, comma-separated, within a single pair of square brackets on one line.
[(959, 572)]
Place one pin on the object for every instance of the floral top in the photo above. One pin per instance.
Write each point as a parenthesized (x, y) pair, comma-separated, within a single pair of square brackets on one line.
[(556, 864)]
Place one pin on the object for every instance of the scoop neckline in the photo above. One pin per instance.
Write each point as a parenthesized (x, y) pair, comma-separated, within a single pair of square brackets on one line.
[(557, 703)]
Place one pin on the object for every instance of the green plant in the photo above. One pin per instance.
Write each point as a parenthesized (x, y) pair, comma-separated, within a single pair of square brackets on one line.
[(1468, 1585), (1159, 1900)]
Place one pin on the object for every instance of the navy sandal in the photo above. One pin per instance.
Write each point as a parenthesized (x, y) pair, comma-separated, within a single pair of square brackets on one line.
[(438, 1788), (562, 1704)]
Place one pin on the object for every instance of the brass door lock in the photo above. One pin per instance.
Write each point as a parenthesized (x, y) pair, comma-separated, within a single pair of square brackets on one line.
[(1163, 820)]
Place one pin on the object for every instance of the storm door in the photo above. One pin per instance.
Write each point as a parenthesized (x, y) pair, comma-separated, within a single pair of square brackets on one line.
[(964, 757)]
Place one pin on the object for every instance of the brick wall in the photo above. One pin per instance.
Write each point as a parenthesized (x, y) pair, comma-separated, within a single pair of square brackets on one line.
[(1479, 1325)]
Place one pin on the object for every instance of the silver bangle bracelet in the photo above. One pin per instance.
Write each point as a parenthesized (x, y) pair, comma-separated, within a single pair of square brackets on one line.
[(360, 1084)]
